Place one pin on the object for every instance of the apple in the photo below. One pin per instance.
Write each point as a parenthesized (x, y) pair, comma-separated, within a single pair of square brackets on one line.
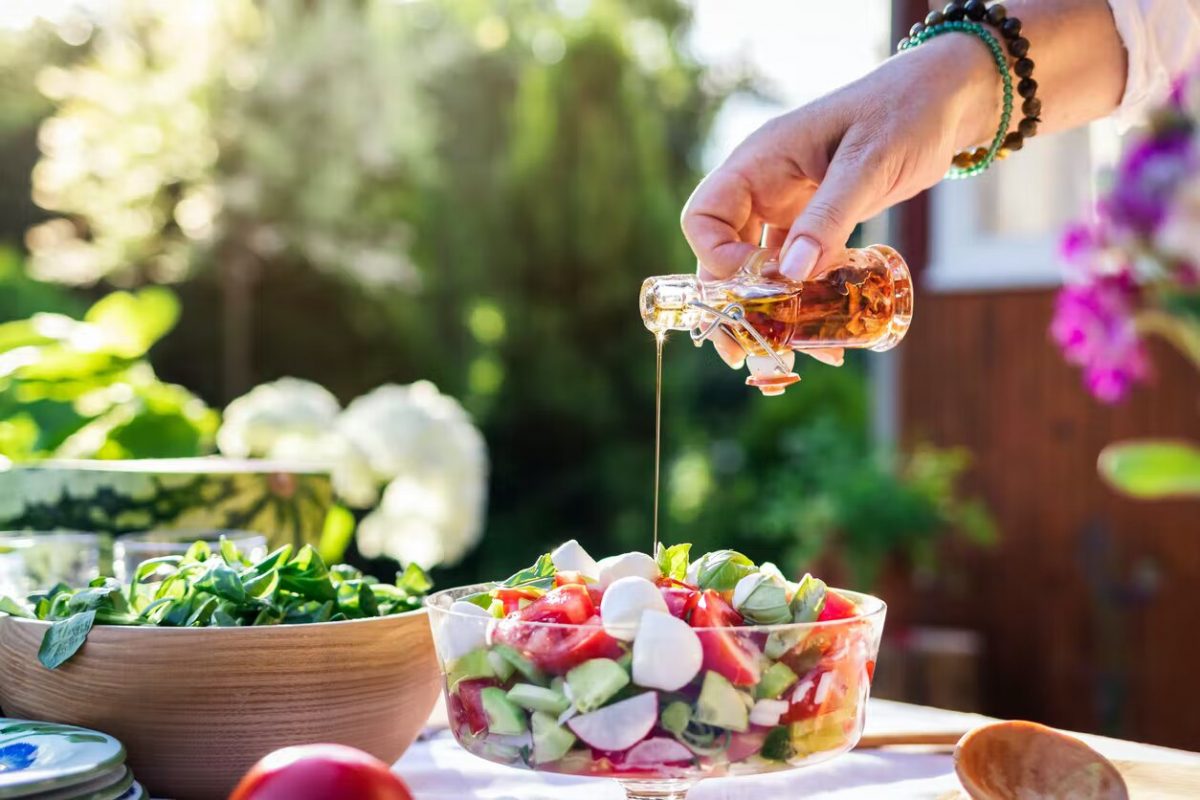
[(320, 772)]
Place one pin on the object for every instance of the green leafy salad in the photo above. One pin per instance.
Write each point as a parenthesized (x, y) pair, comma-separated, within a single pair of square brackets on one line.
[(204, 588)]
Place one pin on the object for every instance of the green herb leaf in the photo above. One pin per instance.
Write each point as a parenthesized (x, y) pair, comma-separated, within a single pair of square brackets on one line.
[(539, 576), (808, 600), (65, 637), (12, 607), (722, 569), (673, 560), (230, 553), (222, 581), (414, 579)]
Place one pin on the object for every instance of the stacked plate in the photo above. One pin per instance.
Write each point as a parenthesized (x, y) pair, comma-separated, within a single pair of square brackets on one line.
[(46, 761)]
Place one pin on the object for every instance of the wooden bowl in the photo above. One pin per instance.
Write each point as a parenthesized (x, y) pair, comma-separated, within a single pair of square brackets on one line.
[(196, 707)]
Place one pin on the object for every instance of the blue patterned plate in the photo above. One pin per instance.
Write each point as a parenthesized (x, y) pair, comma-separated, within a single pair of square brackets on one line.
[(136, 792), (112, 784), (42, 756)]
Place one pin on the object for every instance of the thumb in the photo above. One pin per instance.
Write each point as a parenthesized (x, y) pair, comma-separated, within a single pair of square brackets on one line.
[(841, 201)]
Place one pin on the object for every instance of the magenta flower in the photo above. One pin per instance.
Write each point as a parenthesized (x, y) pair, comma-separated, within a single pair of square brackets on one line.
[(1093, 325), (1146, 180)]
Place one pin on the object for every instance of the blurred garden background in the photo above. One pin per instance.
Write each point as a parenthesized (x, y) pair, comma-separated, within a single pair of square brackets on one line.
[(334, 201)]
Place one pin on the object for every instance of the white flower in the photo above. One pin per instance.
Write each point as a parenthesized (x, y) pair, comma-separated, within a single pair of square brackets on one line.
[(254, 423), (424, 445)]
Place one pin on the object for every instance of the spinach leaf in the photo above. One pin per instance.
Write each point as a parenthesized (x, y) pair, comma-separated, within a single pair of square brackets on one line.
[(64, 639)]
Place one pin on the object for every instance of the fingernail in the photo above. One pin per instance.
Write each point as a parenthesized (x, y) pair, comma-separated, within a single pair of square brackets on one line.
[(800, 259), (833, 356)]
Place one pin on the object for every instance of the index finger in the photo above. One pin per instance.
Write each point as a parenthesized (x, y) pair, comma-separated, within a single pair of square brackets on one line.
[(717, 211)]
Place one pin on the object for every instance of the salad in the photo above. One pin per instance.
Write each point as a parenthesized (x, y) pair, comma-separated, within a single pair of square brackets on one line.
[(640, 667)]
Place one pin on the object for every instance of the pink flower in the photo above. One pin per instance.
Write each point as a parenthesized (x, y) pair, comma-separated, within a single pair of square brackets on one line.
[(1093, 325)]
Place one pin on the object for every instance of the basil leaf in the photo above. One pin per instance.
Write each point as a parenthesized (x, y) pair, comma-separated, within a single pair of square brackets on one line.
[(262, 586), (673, 560), (199, 551), (230, 553), (274, 560), (307, 575), (64, 639), (539, 576), (808, 600), (722, 569)]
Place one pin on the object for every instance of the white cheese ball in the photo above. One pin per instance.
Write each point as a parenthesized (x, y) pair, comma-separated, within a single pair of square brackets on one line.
[(571, 557), (667, 652), (627, 565), (622, 605), (768, 712), (464, 629)]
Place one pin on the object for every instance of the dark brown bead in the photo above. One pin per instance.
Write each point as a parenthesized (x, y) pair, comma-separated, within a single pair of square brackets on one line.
[(963, 160), (1011, 27), (1019, 47), (1032, 107), (1027, 87), (1028, 128), (996, 13), (1014, 141), (916, 29), (953, 12), (934, 18), (1023, 67), (976, 9)]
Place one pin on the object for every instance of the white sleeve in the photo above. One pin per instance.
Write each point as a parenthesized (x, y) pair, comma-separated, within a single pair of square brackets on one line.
[(1162, 38)]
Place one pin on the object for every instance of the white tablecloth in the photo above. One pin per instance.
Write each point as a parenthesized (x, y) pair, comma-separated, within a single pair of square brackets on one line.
[(436, 768)]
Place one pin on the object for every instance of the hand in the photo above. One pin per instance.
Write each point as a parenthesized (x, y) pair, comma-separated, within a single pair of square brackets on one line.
[(818, 171)]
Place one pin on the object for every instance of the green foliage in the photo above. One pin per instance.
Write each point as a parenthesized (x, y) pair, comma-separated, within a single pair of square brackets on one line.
[(83, 388), (222, 589), (1152, 470)]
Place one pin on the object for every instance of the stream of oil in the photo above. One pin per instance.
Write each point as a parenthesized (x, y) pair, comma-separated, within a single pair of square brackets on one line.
[(658, 341)]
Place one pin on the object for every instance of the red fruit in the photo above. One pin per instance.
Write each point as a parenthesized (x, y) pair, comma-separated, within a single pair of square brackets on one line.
[(680, 600), (555, 649), (466, 705), (570, 604), (320, 772), (723, 652), (512, 598), (837, 607)]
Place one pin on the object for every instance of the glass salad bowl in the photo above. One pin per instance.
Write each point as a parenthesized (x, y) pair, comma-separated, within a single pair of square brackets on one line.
[(561, 680)]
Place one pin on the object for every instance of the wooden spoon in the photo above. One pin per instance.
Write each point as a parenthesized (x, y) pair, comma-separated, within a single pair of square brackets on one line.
[(1025, 760)]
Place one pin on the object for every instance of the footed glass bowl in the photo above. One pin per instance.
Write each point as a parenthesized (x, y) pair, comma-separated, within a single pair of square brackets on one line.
[(534, 695)]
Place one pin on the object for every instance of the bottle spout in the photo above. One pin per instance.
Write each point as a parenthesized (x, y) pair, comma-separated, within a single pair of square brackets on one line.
[(668, 303)]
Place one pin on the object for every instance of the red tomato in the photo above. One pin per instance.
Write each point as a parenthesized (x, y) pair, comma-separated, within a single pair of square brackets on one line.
[(571, 604), (723, 652), (680, 600), (565, 577), (466, 705), (512, 598), (837, 607), (320, 772), (556, 649)]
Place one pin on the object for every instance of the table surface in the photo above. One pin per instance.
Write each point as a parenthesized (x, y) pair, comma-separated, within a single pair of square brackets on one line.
[(436, 768)]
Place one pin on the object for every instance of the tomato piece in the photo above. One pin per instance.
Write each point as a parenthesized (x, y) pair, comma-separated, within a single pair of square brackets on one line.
[(556, 649), (837, 607), (466, 705), (567, 577), (723, 652), (570, 604), (680, 600), (320, 772), (512, 598)]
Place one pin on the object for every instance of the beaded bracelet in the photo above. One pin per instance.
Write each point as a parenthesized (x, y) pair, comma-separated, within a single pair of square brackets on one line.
[(968, 164), (1009, 28)]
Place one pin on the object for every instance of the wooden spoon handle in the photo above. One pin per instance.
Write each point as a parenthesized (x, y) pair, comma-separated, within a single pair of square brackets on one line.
[(933, 738)]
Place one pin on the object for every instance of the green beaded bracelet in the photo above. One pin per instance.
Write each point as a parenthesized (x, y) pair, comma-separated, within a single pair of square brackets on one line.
[(984, 35)]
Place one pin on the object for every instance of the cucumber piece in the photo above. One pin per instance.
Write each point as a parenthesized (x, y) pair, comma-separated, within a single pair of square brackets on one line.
[(775, 681), (721, 705), (594, 682), (675, 717), (473, 665), (503, 715), (501, 666), (777, 746), (523, 665), (538, 698), (551, 741)]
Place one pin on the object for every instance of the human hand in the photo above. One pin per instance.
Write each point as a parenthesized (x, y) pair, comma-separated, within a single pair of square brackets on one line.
[(815, 173)]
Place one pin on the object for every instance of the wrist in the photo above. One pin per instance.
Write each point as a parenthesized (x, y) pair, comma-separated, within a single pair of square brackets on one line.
[(960, 68)]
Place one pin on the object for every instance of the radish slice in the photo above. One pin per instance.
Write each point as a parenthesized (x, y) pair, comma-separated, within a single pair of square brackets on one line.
[(620, 725), (659, 750)]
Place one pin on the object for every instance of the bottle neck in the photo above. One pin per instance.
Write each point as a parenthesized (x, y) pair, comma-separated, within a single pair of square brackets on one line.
[(666, 303)]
